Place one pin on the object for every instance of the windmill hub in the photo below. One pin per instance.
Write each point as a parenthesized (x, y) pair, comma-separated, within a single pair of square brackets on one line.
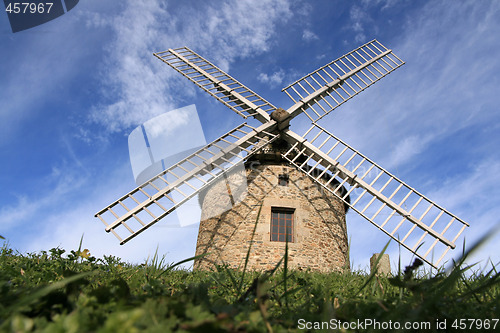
[(282, 117)]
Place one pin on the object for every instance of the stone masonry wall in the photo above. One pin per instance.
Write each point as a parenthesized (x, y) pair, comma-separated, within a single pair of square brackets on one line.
[(319, 234)]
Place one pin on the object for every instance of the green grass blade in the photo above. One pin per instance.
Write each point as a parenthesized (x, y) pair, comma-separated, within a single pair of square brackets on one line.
[(169, 268)]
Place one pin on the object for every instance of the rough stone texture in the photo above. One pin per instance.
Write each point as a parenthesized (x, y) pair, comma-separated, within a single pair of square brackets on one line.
[(384, 265), (319, 234)]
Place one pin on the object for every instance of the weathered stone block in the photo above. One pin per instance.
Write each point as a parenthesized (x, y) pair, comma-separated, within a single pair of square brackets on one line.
[(384, 265)]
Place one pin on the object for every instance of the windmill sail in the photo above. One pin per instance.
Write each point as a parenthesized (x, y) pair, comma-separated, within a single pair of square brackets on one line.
[(322, 91), (155, 199), (217, 83), (414, 221)]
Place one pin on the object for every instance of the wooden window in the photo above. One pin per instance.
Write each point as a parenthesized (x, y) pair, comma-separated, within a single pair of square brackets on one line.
[(282, 224)]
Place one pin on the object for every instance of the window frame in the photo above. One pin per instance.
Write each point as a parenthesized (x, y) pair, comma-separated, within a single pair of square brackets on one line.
[(289, 214)]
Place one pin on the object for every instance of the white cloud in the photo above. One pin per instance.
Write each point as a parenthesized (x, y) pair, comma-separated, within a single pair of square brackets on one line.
[(309, 35), (475, 191), (472, 196), (274, 79), (441, 106), (362, 20), (447, 84), (358, 17), (168, 123), (135, 91), (387, 3), (58, 185), (141, 87), (406, 150), (64, 227), (64, 210)]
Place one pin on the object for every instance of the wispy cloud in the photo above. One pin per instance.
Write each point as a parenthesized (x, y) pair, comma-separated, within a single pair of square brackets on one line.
[(434, 119), (55, 187), (273, 80), (69, 216), (446, 86), (358, 17), (141, 87), (385, 3), (362, 21), (405, 150), (474, 193), (309, 35)]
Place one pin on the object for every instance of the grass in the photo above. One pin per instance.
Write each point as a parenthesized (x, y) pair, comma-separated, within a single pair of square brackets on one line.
[(56, 291)]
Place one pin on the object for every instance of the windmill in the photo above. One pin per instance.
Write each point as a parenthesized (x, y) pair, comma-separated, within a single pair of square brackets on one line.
[(341, 173)]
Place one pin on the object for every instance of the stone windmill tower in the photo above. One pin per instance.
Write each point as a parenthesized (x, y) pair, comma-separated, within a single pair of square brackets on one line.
[(297, 188), (276, 204)]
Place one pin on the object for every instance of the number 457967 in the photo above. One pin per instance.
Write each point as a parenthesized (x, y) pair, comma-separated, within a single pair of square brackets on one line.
[(29, 7), (468, 324)]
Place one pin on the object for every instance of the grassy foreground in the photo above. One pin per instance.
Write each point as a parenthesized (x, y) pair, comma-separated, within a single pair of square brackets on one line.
[(56, 291)]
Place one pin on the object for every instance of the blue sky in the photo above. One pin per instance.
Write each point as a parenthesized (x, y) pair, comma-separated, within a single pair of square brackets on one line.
[(72, 90)]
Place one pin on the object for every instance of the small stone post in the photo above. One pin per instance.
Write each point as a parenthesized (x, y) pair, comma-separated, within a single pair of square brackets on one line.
[(384, 265)]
